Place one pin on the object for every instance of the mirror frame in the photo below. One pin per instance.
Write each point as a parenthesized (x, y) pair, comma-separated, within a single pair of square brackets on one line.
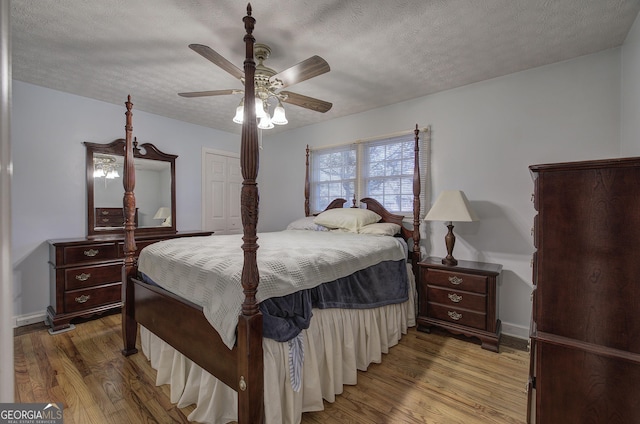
[(144, 151)]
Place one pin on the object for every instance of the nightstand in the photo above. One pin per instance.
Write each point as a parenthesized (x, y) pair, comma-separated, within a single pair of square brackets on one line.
[(462, 299)]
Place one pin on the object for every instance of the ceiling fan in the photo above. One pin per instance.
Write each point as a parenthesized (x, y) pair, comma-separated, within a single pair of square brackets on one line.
[(268, 83)]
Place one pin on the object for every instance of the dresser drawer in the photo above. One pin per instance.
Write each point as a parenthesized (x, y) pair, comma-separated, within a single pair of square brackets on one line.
[(109, 212), (109, 221), (140, 244), (112, 217), (76, 278), (458, 299), (457, 280), (78, 300), (456, 315), (90, 252)]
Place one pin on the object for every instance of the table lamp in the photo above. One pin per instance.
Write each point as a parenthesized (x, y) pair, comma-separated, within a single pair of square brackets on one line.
[(164, 213), (451, 205)]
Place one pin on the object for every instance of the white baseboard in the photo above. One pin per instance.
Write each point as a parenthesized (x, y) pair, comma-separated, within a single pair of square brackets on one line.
[(22, 320), (514, 330)]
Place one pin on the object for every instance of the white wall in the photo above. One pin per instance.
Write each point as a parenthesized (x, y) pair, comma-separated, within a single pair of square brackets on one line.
[(49, 190), (484, 137), (630, 122)]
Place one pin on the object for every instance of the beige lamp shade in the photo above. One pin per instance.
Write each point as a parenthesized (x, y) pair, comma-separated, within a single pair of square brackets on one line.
[(162, 213), (451, 205), (165, 214)]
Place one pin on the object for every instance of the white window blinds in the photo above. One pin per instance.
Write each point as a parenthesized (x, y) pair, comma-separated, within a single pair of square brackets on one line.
[(380, 168)]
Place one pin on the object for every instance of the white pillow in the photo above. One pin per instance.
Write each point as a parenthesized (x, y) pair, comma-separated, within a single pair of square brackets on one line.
[(381, 229), (306, 223), (350, 219)]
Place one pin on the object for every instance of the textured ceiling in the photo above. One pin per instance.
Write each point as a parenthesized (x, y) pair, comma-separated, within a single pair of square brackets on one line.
[(380, 52)]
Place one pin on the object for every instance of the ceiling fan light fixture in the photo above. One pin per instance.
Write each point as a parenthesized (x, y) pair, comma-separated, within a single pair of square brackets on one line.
[(239, 113), (265, 122), (260, 112), (279, 116), (112, 174), (267, 84)]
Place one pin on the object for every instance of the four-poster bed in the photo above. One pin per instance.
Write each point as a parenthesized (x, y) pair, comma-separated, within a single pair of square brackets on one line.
[(170, 318)]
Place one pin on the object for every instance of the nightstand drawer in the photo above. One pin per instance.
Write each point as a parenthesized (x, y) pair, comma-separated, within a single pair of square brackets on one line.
[(458, 316), (457, 280), (76, 278), (79, 300), (458, 299)]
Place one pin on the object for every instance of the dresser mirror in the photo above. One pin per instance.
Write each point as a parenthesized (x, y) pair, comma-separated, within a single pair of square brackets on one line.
[(155, 189)]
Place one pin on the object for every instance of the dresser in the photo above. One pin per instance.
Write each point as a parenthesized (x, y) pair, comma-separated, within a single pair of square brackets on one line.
[(585, 327), (462, 299), (86, 274)]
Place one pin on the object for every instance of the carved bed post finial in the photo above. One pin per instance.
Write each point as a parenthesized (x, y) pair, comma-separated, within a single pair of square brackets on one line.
[(307, 191), (416, 200), (250, 369), (129, 326)]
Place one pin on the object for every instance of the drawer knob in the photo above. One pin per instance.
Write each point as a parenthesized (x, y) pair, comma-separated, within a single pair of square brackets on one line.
[(455, 298), (455, 280), (454, 315), (83, 298), (83, 277), (105, 212), (91, 252), (105, 219)]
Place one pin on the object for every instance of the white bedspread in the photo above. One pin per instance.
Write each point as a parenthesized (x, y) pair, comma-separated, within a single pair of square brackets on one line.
[(207, 270)]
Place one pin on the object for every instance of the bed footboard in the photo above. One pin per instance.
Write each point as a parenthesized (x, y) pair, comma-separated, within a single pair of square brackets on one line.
[(183, 325)]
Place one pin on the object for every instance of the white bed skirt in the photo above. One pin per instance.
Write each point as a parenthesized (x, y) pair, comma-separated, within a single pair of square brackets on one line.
[(337, 343)]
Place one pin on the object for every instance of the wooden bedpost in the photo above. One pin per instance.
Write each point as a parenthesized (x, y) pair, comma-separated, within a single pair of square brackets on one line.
[(307, 191), (249, 343), (416, 203), (129, 325)]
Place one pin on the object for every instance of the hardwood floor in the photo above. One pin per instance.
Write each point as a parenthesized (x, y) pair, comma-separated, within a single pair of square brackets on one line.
[(427, 378)]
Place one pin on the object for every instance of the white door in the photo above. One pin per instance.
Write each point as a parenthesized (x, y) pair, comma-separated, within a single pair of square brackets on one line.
[(222, 181)]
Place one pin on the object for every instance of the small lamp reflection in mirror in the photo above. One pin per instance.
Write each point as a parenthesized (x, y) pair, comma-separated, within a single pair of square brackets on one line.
[(165, 214)]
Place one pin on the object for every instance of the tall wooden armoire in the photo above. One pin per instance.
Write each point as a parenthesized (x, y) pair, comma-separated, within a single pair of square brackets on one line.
[(585, 328)]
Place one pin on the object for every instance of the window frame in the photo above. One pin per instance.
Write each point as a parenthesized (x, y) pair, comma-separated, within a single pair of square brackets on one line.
[(363, 161)]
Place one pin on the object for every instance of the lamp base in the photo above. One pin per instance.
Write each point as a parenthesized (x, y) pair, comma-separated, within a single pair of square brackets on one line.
[(450, 241), (449, 261)]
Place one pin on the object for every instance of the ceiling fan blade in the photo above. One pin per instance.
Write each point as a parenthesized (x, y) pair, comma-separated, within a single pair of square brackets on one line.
[(306, 102), (208, 93), (303, 71), (216, 58)]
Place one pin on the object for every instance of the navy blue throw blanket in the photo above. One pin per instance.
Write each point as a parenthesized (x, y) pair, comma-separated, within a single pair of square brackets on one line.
[(383, 284)]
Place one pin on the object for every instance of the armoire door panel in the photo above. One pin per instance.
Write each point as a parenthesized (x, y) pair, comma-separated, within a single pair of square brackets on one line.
[(589, 397)]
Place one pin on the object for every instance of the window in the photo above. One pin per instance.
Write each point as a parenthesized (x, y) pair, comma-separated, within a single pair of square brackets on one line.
[(381, 168)]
